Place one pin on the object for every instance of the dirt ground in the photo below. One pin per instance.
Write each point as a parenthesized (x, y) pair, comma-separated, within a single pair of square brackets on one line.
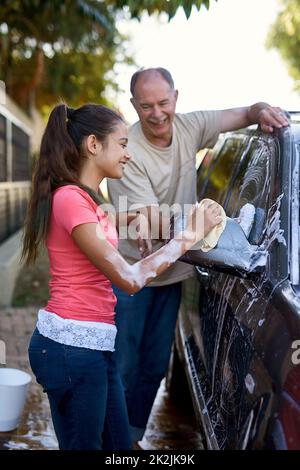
[(32, 284)]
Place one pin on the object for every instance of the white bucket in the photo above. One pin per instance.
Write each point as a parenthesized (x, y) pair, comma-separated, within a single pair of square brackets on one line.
[(13, 389)]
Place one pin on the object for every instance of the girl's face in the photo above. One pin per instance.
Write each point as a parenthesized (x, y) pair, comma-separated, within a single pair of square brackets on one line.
[(112, 156)]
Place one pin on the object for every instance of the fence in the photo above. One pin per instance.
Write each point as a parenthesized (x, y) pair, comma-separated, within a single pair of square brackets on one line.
[(14, 172), (13, 202)]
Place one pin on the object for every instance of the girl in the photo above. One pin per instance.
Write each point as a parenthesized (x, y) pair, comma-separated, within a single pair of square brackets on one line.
[(71, 349)]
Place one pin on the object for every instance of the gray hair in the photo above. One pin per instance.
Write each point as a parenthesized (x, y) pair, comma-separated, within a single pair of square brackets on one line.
[(163, 72)]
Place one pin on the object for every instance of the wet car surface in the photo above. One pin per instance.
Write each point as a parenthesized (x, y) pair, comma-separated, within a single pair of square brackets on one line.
[(239, 321)]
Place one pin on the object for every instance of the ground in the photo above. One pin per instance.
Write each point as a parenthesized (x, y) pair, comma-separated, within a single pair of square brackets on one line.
[(32, 284)]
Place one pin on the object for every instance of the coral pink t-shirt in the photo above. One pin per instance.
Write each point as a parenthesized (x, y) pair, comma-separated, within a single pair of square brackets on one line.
[(78, 290)]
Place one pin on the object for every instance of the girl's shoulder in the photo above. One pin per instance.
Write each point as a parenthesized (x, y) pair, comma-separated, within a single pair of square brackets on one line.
[(71, 190), (70, 194), (68, 189)]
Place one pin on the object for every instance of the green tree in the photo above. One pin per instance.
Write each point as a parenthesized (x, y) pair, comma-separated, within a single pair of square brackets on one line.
[(170, 7), (52, 49), (284, 35), (42, 43)]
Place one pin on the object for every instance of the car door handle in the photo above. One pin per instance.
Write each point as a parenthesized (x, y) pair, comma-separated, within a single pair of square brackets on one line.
[(202, 275)]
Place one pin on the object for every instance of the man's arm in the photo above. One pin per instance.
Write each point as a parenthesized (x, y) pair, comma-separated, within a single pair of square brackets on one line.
[(268, 117)]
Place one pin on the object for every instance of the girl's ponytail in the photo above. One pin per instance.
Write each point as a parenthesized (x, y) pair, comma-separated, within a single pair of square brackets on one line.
[(59, 161)]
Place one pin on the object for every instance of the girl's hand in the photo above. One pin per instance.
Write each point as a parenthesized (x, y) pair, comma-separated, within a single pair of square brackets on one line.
[(203, 217)]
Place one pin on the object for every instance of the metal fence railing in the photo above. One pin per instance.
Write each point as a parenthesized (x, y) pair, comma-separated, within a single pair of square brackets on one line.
[(14, 198)]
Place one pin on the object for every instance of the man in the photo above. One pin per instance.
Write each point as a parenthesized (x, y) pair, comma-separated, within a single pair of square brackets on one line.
[(163, 146)]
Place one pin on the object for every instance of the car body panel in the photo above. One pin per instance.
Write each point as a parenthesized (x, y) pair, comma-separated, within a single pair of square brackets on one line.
[(240, 314)]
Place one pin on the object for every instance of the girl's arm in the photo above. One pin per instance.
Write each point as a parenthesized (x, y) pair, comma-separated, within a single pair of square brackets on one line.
[(131, 278)]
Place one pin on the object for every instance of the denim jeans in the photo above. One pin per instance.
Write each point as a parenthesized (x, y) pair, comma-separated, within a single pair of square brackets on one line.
[(146, 325), (85, 393)]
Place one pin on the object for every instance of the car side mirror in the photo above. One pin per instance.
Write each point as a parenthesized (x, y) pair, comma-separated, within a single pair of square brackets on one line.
[(233, 254)]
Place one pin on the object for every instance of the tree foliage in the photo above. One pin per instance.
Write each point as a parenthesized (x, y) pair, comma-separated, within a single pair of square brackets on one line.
[(284, 35), (170, 7), (46, 50), (51, 49)]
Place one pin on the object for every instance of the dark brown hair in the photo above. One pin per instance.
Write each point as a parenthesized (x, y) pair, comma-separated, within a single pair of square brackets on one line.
[(163, 72), (59, 162)]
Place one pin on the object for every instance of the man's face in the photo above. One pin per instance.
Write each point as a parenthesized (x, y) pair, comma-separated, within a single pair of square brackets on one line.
[(155, 102)]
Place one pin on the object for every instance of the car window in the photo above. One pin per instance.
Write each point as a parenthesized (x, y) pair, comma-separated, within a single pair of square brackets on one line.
[(252, 186), (218, 168)]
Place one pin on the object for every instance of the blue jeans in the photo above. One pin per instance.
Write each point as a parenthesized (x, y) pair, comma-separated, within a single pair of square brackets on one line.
[(85, 393), (146, 324)]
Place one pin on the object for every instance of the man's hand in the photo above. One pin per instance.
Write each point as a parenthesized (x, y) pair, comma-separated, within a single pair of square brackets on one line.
[(144, 236), (270, 118)]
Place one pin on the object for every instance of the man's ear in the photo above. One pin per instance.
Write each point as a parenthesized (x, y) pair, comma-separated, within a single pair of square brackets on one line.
[(133, 103), (176, 95)]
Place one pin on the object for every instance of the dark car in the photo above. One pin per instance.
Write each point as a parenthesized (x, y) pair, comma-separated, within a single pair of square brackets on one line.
[(238, 332)]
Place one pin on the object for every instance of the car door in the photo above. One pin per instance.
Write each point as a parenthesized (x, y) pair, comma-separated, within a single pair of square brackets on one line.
[(244, 300), (230, 308)]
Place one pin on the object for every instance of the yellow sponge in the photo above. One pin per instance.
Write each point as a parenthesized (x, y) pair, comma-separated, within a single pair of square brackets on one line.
[(212, 238)]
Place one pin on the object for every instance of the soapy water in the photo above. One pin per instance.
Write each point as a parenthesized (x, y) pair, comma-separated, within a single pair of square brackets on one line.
[(246, 218), (235, 319), (35, 430)]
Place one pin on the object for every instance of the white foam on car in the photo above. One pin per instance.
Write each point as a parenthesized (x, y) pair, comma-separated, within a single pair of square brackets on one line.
[(246, 218)]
